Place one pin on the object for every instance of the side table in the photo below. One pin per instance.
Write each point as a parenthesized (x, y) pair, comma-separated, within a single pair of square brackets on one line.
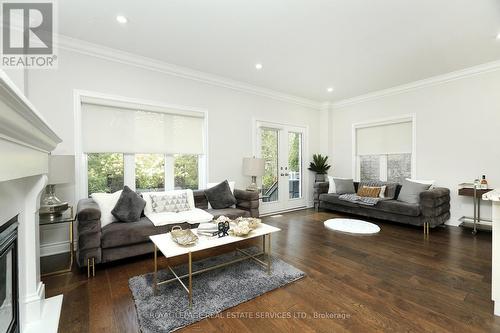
[(66, 217), (477, 223)]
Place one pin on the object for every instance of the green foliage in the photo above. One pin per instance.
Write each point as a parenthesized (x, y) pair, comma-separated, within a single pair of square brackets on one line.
[(186, 171), (269, 152), (294, 151), (319, 164), (150, 172), (105, 172)]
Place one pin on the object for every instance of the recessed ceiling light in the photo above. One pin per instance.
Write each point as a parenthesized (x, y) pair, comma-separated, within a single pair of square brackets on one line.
[(258, 66), (498, 36), (121, 19), (330, 89)]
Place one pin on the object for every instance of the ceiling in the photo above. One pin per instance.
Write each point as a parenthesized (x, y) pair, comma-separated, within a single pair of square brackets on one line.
[(305, 46)]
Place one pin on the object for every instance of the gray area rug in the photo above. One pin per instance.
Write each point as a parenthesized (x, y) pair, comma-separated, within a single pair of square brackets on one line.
[(213, 291)]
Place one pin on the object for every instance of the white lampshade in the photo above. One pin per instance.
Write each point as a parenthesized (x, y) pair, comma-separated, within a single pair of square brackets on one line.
[(253, 166), (61, 169)]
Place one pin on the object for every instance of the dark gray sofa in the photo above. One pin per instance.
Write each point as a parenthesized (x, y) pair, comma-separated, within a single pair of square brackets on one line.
[(433, 210), (120, 240)]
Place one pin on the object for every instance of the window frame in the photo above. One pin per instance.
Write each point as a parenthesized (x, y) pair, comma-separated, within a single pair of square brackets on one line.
[(81, 160), (356, 172)]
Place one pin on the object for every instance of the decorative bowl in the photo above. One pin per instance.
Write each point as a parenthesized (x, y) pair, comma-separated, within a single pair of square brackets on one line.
[(240, 229), (253, 223), (183, 237)]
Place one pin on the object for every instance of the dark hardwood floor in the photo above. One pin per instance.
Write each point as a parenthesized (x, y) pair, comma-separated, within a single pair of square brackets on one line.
[(395, 281)]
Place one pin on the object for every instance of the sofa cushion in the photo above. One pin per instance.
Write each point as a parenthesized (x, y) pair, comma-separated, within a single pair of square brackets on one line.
[(410, 191), (220, 196), (397, 207), (344, 186), (129, 206), (232, 213), (390, 188), (123, 233), (333, 198)]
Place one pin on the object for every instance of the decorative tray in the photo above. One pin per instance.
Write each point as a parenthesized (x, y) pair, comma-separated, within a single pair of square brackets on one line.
[(183, 237)]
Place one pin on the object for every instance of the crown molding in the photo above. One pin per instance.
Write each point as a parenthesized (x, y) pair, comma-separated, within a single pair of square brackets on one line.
[(432, 81), (107, 53)]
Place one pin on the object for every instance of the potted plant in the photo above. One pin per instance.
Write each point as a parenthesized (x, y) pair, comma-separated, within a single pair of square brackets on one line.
[(320, 166)]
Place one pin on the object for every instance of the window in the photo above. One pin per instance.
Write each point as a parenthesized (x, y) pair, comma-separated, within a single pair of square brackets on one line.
[(186, 171), (294, 165), (384, 151), (105, 172), (163, 148), (149, 172), (269, 152)]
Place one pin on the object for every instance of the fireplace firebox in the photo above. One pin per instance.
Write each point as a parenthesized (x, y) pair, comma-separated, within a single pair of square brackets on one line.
[(9, 306)]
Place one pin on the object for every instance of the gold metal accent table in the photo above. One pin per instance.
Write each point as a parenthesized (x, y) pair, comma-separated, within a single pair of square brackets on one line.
[(170, 249), (66, 217)]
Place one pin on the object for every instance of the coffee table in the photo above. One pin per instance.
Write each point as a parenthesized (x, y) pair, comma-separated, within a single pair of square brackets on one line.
[(169, 249)]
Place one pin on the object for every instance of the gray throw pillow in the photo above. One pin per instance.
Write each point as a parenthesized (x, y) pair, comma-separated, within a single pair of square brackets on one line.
[(410, 191), (129, 206), (220, 196), (344, 186)]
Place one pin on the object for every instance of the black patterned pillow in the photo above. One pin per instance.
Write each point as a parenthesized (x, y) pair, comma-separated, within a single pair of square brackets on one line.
[(170, 202)]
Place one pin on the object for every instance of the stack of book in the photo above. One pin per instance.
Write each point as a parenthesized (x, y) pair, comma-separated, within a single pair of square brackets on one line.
[(207, 229)]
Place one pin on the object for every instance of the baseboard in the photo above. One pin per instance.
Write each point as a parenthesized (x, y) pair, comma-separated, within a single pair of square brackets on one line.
[(54, 248), (453, 221), (285, 211)]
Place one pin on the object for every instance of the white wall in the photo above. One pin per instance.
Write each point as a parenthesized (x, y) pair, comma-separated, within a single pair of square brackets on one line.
[(230, 113), (458, 126)]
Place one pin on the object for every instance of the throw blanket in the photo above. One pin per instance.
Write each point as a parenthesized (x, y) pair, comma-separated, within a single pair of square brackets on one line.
[(361, 200)]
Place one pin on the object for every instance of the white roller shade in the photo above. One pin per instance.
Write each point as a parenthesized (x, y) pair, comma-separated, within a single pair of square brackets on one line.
[(384, 139), (110, 129)]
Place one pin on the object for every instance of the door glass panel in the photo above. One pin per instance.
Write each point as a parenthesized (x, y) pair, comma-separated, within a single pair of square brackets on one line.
[(269, 139), (294, 165)]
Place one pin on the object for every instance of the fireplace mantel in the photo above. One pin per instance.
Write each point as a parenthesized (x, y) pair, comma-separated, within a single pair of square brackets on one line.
[(25, 143), (25, 137)]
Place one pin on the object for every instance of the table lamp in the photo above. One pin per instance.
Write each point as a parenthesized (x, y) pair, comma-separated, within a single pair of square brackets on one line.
[(253, 167), (61, 171)]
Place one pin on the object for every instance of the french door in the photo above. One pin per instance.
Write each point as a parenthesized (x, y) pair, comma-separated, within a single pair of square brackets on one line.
[(282, 148)]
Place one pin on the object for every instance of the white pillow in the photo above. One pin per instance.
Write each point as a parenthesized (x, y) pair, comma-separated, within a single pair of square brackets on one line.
[(382, 192), (231, 187), (425, 182), (106, 202), (331, 186), (148, 209)]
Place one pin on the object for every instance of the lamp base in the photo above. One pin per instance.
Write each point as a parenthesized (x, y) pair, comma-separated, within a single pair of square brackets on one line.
[(51, 206), (253, 187)]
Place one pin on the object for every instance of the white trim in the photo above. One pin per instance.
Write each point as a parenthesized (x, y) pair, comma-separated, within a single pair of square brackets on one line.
[(432, 81), (107, 53), (280, 127), (80, 158), (380, 122), (54, 248)]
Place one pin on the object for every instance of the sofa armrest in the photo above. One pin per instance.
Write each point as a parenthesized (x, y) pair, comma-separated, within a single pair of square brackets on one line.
[(88, 217), (247, 200), (318, 189), (435, 202)]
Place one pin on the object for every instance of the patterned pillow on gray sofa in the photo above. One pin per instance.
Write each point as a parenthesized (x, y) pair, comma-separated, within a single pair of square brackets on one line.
[(170, 202)]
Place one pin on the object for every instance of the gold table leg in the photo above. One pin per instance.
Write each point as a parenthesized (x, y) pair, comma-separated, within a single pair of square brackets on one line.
[(190, 280), (269, 254), (156, 270)]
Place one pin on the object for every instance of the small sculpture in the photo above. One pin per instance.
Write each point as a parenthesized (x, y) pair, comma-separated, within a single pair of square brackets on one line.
[(223, 228)]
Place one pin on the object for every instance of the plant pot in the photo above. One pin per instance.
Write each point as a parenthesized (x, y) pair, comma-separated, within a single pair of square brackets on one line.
[(319, 178)]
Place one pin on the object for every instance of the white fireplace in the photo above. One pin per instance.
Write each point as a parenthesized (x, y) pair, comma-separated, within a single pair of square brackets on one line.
[(25, 142)]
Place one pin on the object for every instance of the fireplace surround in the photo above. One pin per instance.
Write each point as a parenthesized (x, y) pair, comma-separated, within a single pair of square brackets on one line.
[(9, 282)]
